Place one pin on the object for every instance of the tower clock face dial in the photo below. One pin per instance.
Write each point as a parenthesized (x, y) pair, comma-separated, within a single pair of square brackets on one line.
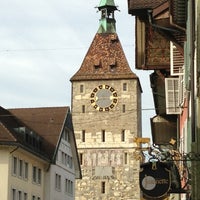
[(103, 98)]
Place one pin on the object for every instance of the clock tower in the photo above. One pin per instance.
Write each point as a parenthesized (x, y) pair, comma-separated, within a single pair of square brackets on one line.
[(106, 111)]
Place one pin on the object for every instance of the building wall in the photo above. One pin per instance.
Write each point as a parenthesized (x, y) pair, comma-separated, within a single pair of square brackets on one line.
[(18, 181), (63, 171), (109, 165), (53, 193), (4, 166)]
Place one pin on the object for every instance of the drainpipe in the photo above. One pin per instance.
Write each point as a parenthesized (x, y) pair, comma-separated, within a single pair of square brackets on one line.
[(192, 70), (194, 146)]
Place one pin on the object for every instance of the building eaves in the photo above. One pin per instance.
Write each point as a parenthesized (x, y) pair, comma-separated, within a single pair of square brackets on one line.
[(135, 6)]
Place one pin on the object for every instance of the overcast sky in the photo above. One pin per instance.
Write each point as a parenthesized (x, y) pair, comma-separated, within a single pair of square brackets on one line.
[(43, 43)]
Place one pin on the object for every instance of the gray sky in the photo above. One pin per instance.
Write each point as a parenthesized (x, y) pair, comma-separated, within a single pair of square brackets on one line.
[(43, 43)]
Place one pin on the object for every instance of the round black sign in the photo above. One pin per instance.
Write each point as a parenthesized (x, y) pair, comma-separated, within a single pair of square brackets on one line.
[(155, 179)]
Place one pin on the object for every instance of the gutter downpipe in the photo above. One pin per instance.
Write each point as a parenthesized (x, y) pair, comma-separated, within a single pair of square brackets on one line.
[(194, 146)]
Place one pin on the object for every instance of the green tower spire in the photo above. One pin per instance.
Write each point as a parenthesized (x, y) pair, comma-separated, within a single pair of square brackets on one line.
[(107, 21)]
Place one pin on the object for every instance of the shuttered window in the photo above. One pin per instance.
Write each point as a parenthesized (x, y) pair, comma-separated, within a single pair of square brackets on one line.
[(172, 96), (176, 61)]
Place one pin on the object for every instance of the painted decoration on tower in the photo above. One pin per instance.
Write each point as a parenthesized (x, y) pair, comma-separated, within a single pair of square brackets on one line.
[(103, 158), (155, 180)]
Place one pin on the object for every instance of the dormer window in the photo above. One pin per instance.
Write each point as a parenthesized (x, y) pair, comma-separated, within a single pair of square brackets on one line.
[(113, 64), (113, 38), (97, 64), (31, 138)]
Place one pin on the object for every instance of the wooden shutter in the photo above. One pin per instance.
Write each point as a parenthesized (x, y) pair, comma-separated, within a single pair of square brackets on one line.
[(176, 61), (172, 96)]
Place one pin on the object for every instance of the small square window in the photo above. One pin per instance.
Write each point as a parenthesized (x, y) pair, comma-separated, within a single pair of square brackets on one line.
[(81, 158), (103, 187), (124, 86), (83, 135), (125, 158), (83, 108), (123, 108), (113, 68), (97, 64), (123, 135), (81, 88), (103, 136)]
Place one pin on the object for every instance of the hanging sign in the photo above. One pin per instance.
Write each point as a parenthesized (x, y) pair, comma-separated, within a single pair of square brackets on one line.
[(155, 180)]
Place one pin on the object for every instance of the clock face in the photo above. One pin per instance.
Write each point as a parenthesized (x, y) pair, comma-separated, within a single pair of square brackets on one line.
[(103, 98)]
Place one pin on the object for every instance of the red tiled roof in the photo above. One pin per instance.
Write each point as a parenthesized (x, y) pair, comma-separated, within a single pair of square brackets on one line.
[(105, 51)]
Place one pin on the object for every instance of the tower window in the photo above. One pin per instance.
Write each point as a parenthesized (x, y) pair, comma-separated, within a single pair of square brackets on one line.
[(123, 135), (83, 135), (103, 187), (97, 64), (112, 63), (103, 135), (124, 86), (81, 158), (81, 88), (83, 108), (125, 158), (113, 68), (123, 108)]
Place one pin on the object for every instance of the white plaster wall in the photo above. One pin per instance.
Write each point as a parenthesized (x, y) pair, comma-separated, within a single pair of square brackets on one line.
[(4, 165), (26, 185)]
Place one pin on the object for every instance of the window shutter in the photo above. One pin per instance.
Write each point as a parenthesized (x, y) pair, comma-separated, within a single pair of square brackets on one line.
[(172, 96), (176, 61)]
